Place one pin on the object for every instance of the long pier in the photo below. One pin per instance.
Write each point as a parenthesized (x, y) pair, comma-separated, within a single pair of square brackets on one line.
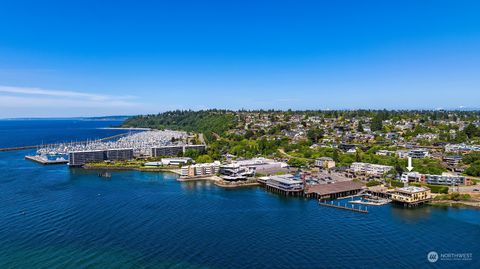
[(344, 207), (41, 160), (56, 144)]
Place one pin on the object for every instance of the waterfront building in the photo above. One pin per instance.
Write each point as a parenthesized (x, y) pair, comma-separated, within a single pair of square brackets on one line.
[(333, 190), (119, 154), (155, 164), (263, 165), (176, 161), (325, 162), (236, 172), (202, 169), (174, 150), (79, 158), (284, 184), (411, 195), (167, 151), (370, 169)]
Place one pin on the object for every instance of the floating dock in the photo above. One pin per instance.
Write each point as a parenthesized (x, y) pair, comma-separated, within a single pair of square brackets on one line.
[(360, 210), (370, 202), (43, 160)]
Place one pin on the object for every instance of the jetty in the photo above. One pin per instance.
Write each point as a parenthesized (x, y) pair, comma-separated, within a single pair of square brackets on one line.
[(44, 160), (339, 206)]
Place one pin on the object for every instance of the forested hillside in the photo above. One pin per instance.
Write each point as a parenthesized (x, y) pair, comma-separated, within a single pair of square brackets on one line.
[(207, 122)]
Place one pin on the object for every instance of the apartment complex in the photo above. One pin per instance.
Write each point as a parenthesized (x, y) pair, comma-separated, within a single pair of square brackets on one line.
[(443, 179), (202, 169), (174, 150), (79, 158), (370, 169)]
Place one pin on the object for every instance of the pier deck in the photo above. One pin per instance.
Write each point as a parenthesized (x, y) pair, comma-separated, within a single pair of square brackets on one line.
[(42, 160), (360, 210)]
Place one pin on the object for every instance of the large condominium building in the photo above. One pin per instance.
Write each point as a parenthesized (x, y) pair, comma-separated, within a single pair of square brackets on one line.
[(174, 150), (79, 158), (167, 151), (446, 179), (119, 154), (443, 179), (193, 147), (370, 169)]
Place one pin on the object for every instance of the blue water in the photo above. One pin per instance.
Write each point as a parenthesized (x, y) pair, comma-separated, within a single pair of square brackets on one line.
[(36, 132), (55, 217)]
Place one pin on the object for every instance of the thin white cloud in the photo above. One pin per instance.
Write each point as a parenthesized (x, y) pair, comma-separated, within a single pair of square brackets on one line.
[(56, 93), (24, 101)]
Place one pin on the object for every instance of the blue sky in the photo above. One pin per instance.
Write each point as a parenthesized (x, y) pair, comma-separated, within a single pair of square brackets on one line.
[(129, 57)]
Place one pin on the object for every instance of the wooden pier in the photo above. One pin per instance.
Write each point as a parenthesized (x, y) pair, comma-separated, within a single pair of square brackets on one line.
[(353, 208)]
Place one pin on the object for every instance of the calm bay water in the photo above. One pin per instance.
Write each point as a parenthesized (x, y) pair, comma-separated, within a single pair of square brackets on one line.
[(56, 217)]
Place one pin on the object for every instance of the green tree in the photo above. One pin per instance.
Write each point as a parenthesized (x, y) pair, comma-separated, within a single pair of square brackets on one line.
[(204, 159), (315, 134)]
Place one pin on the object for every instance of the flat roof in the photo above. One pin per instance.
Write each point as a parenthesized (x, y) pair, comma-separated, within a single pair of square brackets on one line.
[(340, 186), (411, 189), (286, 179)]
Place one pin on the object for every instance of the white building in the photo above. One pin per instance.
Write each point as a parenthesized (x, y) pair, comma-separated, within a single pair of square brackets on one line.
[(325, 162), (370, 169), (202, 169), (176, 161), (384, 152), (418, 153)]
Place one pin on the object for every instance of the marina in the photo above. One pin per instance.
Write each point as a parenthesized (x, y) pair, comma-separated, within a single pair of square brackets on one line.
[(42, 147)]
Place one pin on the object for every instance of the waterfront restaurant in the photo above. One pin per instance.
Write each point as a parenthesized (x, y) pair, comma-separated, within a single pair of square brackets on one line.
[(284, 184), (411, 195)]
